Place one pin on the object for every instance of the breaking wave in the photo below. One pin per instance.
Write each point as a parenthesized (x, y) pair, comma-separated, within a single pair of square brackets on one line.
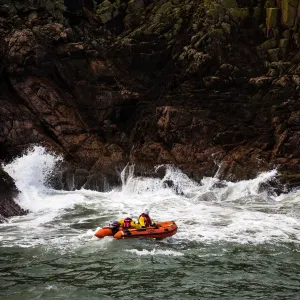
[(211, 211)]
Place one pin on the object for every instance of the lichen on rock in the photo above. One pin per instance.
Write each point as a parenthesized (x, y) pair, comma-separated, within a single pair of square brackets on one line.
[(105, 11)]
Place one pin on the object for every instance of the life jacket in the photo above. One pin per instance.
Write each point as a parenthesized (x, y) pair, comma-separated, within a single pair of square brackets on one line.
[(127, 223), (147, 219)]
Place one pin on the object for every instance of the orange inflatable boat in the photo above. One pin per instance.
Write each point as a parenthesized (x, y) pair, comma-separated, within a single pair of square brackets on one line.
[(160, 231), (105, 231), (109, 230)]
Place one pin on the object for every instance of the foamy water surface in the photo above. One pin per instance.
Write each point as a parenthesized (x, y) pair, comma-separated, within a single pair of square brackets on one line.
[(215, 219)]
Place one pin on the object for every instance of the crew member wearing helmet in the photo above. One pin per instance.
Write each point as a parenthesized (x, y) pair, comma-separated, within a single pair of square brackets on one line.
[(145, 220), (114, 226), (128, 223)]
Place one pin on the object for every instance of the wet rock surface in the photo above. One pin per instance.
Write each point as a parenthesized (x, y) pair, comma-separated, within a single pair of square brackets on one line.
[(8, 192), (196, 84)]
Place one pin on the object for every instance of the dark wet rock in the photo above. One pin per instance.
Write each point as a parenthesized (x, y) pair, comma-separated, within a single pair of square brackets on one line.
[(8, 192), (73, 177), (195, 84), (220, 185), (275, 187), (170, 184), (103, 183)]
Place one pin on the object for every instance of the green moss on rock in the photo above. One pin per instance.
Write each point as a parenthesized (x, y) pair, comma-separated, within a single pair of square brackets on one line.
[(268, 44), (239, 13), (229, 3), (289, 12), (274, 54), (257, 13), (286, 34), (135, 5), (226, 27), (292, 179), (296, 38), (207, 3), (272, 17), (105, 11), (281, 66), (162, 12), (283, 43), (270, 3), (165, 8)]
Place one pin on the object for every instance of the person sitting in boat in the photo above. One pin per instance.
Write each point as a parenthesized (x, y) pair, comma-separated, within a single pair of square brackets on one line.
[(114, 226), (145, 220), (128, 223)]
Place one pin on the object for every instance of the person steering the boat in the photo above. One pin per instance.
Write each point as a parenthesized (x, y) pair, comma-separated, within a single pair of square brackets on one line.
[(128, 223), (145, 220), (114, 226)]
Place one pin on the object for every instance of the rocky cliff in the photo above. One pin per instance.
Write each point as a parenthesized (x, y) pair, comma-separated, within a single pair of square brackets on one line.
[(198, 84)]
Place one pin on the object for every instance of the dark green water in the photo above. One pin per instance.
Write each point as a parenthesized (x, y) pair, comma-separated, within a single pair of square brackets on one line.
[(192, 271)]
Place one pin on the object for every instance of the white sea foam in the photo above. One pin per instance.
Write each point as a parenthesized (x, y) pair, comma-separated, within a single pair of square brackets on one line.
[(207, 212), (154, 252), (30, 173)]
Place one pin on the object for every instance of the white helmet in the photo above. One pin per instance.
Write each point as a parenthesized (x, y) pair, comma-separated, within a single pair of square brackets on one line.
[(147, 211)]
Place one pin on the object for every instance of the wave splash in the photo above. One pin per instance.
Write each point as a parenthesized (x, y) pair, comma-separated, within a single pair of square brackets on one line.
[(30, 173), (212, 211)]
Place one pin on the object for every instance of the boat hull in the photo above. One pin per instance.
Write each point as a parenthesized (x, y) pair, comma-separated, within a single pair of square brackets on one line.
[(160, 231), (102, 232)]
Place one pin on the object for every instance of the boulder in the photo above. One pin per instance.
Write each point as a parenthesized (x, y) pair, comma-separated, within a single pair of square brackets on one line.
[(8, 194), (105, 11)]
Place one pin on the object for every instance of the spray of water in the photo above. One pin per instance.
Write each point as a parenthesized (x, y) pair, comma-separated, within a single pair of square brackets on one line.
[(211, 211), (31, 172)]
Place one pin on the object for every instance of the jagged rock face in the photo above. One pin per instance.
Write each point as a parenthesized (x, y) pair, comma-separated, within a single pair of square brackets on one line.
[(8, 192), (190, 83)]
